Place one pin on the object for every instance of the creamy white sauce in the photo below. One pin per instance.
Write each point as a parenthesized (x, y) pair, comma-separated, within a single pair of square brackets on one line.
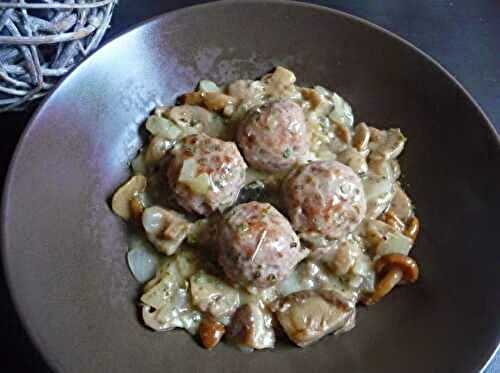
[(169, 296)]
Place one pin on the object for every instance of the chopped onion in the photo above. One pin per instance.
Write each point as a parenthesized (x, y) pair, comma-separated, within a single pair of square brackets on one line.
[(138, 165), (163, 127), (188, 170), (377, 187), (216, 128), (142, 259), (201, 184), (396, 243), (342, 112), (208, 86)]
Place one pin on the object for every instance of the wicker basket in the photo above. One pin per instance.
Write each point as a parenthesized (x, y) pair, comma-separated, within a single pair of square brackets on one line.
[(40, 41)]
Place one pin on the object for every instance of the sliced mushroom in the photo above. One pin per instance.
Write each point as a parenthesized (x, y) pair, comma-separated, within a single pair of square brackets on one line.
[(165, 229), (314, 98), (343, 133), (401, 205), (361, 137), (379, 191), (137, 206), (189, 115), (343, 258), (392, 219), (383, 168), (157, 149), (176, 269), (392, 269), (192, 98), (174, 313), (251, 327), (393, 145), (280, 83), (308, 315), (381, 239), (350, 157), (211, 332), (211, 295), (215, 101), (120, 202)]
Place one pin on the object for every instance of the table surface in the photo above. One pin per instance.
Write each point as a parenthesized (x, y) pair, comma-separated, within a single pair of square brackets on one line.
[(463, 35)]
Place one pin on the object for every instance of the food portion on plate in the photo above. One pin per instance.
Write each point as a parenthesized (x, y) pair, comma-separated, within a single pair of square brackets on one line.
[(260, 210)]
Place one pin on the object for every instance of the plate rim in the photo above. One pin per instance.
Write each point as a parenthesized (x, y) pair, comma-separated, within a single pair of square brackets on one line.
[(50, 357)]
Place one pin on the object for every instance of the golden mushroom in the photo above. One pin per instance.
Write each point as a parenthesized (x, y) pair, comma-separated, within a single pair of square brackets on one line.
[(126, 202), (412, 228), (211, 332), (392, 269)]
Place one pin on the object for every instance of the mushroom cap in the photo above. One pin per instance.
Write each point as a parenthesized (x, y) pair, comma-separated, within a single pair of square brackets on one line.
[(407, 265)]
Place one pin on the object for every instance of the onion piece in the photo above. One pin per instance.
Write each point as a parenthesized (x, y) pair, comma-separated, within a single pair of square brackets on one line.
[(342, 112), (142, 259), (208, 86), (395, 243), (163, 127), (188, 170)]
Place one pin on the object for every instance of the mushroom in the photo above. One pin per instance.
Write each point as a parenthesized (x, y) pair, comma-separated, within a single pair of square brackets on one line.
[(192, 98), (401, 204), (343, 133), (393, 145), (307, 316), (137, 206), (213, 101), (165, 229), (120, 202), (343, 258), (251, 327), (210, 332), (412, 228), (355, 160), (313, 97), (381, 238), (361, 137), (280, 83), (213, 296), (393, 220), (379, 191), (392, 269), (189, 115)]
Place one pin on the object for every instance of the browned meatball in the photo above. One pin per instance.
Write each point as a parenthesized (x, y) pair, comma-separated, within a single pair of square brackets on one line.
[(274, 137), (257, 245), (205, 173), (326, 198)]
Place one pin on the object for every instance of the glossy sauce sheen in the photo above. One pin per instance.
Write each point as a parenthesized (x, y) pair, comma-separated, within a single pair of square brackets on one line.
[(317, 203)]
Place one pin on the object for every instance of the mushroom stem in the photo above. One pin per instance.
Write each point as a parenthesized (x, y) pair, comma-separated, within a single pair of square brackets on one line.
[(412, 228), (384, 286)]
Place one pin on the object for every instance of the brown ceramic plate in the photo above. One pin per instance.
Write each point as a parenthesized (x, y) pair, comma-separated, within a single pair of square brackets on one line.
[(64, 250)]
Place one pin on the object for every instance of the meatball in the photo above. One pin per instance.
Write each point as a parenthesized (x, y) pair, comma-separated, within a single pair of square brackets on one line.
[(274, 137), (257, 245), (325, 198), (205, 173)]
